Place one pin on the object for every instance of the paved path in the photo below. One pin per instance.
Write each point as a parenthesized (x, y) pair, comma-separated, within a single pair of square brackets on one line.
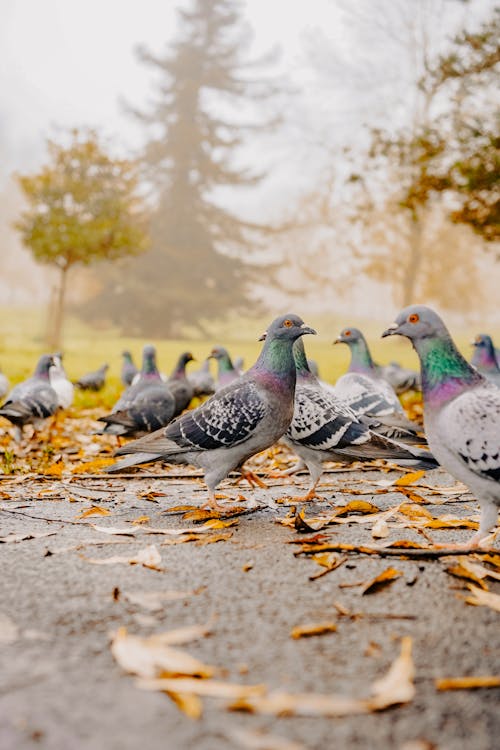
[(60, 687)]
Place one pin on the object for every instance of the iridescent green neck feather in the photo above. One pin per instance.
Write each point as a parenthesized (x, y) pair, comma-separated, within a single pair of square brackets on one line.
[(445, 372), (301, 363), (361, 359), (276, 358)]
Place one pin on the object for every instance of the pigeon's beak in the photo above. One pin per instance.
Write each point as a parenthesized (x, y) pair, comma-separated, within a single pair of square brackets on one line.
[(263, 337), (337, 341), (391, 330), (307, 329)]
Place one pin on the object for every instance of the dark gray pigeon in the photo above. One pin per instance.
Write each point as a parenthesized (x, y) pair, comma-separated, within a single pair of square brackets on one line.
[(484, 358), (242, 419), (33, 400), (129, 370), (226, 371), (181, 388), (365, 390), (324, 428), (202, 380), (4, 385), (93, 381), (401, 378), (145, 406), (461, 410)]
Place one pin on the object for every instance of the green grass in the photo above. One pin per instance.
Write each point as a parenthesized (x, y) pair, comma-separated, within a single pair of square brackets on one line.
[(21, 343)]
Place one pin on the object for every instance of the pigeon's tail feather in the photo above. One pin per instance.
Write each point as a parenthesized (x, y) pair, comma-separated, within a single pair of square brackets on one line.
[(133, 460)]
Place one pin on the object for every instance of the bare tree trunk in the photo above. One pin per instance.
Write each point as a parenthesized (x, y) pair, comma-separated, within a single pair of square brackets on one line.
[(415, 260), (58, 310)]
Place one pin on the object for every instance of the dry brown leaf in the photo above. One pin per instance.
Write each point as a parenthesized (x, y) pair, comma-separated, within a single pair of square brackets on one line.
[(492, 560), (395, 688), (113, 530), (179, 636), (380, 529), (214, 538), (356, 506), (462, 570), (149, 557), (188, 703), (152, 657), (89, 467), (466, 683), (94, 510), (140, 520), (208, 688), (414, 511), (482, 598), (383, 579), (13, 538), (313, 628)]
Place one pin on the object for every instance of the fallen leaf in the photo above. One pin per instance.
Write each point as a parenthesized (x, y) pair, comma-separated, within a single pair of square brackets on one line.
[(408, 479), (94, 510), (208, 688), (383, 579), (189, 703), (356, 506), (380, 529), (466, 683), (140, 520), (149, 557), (397, 686), (124, 531), (12, 538), (482, 598), (313, 628), (214, 538), (461, 570), (152, 657)]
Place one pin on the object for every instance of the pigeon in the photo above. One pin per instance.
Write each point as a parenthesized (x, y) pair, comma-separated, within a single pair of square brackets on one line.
[(181, 388), (129, 370), (461, 410), (145, 406), (244, 418), (402, 379), (4, 385), (202, 380), (239, 365), (484, 359), (33, 400), (366, 392), (60, 383), (93, 381), (227, 372), (324, 428)]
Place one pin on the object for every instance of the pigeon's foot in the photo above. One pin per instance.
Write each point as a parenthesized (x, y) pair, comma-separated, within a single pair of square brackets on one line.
[(252, 479), (212, 503), (311, 495)]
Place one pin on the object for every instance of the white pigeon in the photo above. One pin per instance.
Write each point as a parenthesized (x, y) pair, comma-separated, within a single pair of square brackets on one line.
[(461, 411)]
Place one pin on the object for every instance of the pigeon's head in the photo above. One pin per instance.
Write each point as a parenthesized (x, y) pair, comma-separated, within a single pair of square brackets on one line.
[(417, 322), (127, 355), (349, 335), (483, 341), (185, 358), (45, 362), (218, 352), (149, 353), (287, 327)]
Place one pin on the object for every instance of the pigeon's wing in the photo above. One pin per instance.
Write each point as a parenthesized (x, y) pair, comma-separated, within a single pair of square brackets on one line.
[(228, 418), (323, 421), (364, 396), (471, 426)]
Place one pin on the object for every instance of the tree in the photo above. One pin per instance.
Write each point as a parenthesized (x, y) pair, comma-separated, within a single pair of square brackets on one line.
[(83, 207), (199, 264)]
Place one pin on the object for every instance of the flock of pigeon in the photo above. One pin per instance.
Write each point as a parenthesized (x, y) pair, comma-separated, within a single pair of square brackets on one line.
[(282, 398)]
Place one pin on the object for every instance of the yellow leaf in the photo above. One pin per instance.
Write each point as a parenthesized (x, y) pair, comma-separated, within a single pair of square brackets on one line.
[(356, 506), (188, 703), (90, 467), (397, 685), (140, 520), (313, 628), (408, 479), (94, 510), (466, 683), (383, 579), (482, 598)]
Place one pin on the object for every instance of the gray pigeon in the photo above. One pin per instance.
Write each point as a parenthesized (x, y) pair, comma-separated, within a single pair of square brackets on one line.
[(60, 383), (324, 428), (129, 370), (202, 380), (93, 381), (242, 419), (33, 400), (145, 406), (402, 379), (181, 388), (461, 410), (226, 371), (484, 358), (366, 392), (4, 385)]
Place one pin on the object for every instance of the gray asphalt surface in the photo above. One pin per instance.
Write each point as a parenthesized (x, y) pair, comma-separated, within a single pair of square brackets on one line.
[(60, 687)]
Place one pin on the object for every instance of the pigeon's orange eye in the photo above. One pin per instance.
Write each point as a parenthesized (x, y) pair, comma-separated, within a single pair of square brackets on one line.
[(413, 318), (347, 333), (288, 323)]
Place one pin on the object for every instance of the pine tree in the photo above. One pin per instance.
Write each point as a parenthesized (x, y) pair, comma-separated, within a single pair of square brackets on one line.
[(197, 267)]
